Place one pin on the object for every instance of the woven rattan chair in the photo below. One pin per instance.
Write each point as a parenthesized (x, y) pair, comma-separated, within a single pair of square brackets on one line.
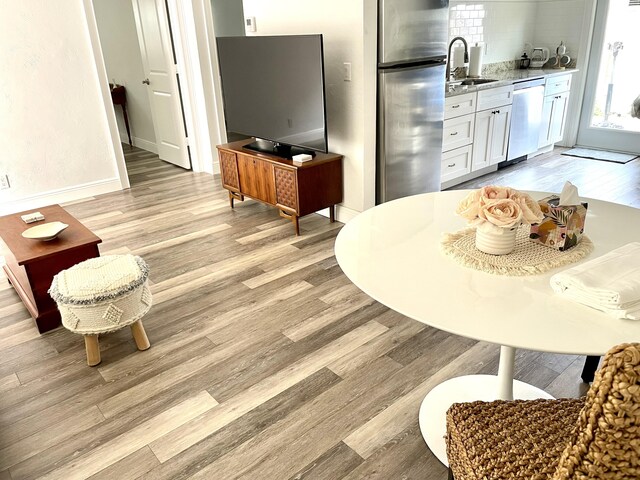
[(596, 437)]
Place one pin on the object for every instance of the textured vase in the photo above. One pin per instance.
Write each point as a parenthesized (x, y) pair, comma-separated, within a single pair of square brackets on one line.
[(496, 243)]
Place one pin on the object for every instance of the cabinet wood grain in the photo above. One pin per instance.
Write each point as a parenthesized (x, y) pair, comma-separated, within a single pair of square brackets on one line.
[(295, 189)]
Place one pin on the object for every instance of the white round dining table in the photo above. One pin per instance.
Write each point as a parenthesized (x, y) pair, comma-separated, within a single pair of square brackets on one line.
[(392, 253)]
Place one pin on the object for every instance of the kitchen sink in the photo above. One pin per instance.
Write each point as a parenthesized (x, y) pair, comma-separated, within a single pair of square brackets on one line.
[(477, 81)]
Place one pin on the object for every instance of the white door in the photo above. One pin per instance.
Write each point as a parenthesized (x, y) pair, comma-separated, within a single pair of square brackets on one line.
[(610, 118), (482, 140), (501, 121), (159, 65)]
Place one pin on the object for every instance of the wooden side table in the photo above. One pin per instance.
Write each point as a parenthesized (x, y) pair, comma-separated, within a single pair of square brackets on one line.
[(119, 97), (31, 264)]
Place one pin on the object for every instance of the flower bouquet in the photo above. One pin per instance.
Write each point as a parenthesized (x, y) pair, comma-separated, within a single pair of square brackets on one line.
[(497, 212)]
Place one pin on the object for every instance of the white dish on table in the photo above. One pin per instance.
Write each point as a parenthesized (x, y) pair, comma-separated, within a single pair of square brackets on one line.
[(45, 232)]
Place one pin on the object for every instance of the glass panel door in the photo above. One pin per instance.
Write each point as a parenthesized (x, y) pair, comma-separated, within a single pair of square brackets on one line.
[(610, 118)]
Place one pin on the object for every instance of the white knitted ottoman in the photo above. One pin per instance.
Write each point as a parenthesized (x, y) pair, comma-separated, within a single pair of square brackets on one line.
[(102, 295)]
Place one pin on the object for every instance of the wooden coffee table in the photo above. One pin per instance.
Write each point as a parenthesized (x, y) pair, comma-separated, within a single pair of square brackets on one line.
[(31, 264)]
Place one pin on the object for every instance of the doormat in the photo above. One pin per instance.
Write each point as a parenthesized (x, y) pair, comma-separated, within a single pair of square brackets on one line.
[(600, 155)]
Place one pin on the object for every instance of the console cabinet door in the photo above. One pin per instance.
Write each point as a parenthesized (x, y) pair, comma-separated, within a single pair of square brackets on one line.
[(256, 179), (286, 188), (229, 171)]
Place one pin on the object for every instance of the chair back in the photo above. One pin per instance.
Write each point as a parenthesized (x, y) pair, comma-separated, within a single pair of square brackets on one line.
[(606, 441)]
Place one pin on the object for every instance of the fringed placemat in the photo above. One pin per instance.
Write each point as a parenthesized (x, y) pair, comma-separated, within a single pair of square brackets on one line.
[(527, 258)]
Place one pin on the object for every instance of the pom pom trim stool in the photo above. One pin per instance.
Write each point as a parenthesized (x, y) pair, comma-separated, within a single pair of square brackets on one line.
[(102, 295)]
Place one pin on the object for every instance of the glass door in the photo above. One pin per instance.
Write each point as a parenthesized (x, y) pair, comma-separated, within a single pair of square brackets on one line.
[(610, 118)]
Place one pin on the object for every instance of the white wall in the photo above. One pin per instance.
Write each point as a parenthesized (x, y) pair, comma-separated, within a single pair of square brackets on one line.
[(228, 18), (54, 134), (119, 43), (341, 23)]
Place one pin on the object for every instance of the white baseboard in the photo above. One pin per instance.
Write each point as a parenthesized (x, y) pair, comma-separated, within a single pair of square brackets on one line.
[(140, 143), (69, 194), (343, 214)]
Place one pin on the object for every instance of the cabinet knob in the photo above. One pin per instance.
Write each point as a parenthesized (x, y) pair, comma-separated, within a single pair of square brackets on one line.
[(146, 81), (451, 165), (455, 106), (453, 133)]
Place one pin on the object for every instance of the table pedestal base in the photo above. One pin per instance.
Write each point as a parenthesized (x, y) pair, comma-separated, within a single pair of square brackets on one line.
[(462, 389)]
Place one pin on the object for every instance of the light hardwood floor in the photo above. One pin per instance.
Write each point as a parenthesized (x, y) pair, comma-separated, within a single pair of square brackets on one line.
[(266, 362)]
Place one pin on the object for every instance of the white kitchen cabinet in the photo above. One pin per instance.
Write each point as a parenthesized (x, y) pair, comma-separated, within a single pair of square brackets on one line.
[(457, 132), (457, 136), (459, 105), (455, 163), (491, 137), (554, 110), (554, 116)]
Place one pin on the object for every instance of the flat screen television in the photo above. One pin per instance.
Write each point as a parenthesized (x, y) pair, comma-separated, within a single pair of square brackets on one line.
[(273, 89)]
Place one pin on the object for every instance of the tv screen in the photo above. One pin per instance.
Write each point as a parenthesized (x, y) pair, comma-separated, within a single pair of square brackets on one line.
[(273, 88)]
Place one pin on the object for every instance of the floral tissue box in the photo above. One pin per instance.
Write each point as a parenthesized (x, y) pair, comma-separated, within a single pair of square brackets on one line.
[(562, 227)]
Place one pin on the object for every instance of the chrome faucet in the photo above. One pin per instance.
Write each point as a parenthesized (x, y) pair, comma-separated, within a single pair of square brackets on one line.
[(466, 55)]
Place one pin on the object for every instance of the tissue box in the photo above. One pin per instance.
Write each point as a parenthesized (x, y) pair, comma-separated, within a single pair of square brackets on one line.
[(562, 227)]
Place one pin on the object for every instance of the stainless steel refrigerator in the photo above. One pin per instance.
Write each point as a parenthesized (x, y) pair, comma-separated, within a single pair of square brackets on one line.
[(412, 52)]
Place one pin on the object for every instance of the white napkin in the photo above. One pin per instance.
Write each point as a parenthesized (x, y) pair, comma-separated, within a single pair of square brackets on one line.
[(610, 283), (569, 194)]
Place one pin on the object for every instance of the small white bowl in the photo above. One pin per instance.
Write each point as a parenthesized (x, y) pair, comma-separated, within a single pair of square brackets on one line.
[(45, 232)]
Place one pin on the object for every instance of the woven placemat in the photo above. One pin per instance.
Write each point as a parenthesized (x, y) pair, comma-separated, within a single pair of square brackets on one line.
[(528, 257)]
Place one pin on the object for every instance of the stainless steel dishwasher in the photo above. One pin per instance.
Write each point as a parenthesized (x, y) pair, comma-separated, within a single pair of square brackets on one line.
[(526, 119)]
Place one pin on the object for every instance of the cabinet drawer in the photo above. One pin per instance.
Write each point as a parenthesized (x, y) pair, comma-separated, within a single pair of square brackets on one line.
[(459, 105), (495, 97), (458, 132), (557, 84), (455, 163)]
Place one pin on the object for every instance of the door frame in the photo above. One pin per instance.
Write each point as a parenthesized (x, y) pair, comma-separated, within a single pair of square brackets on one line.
[(191, 24), (595, 60)]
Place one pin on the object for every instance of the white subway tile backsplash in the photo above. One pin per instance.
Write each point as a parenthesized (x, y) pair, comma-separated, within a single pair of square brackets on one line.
[(506, 26)]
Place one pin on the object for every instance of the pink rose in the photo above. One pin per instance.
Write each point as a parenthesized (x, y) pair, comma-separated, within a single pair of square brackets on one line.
[(469, 206), (494, 192), (503, 212), (531, 212)]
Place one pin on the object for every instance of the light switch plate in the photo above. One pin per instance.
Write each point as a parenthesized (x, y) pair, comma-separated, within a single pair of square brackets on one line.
[(250, 24)]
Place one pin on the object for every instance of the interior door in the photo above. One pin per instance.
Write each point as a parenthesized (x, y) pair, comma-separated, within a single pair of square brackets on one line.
[(611, 107), (159, 65)]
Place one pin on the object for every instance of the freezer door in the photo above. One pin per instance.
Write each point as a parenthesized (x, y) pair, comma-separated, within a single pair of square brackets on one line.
[(412, 30), (410, 120)]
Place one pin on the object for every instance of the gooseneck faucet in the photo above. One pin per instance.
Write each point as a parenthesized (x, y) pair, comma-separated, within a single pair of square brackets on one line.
[(466, 54)]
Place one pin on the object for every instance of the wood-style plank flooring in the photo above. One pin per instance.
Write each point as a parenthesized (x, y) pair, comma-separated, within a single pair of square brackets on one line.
[(266, 362)]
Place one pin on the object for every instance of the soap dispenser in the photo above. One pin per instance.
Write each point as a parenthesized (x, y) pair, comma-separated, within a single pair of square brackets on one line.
[(525, 61)]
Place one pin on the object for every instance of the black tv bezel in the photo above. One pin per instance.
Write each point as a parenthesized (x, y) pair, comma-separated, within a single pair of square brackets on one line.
[(283, 149)]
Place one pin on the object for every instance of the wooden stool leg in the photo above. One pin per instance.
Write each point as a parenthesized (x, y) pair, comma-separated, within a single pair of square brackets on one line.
[(140, 336), (93, 350)]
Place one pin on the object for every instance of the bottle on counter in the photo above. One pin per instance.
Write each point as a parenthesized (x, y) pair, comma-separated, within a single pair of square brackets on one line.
[(525, 61)]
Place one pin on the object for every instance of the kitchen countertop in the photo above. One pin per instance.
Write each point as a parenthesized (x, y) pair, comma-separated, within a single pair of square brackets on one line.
[(507, 77)]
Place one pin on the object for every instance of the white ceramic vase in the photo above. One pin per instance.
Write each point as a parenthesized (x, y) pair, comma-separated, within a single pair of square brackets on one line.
[(496, 243)]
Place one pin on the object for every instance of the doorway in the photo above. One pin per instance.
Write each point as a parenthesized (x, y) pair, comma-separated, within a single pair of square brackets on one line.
[(610, 118), (139, 59)]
